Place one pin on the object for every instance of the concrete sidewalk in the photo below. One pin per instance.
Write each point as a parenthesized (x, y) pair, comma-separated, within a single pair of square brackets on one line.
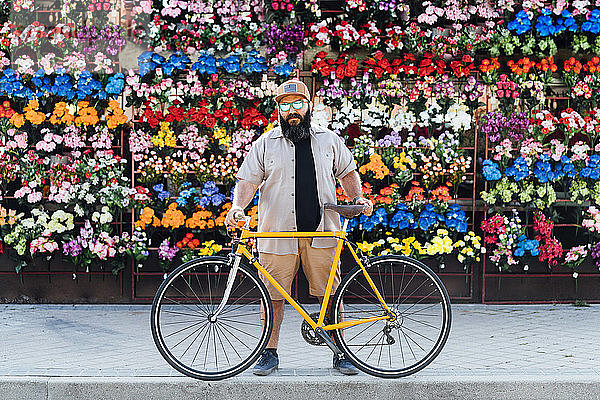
[(107, 352)]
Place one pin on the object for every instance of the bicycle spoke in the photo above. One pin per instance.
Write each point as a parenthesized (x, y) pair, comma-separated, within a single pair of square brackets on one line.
[(415, 295), (421, 322), (184, 305), (196, 346), (372, 323), (238, 339), (239, 322), (183, 329), (223, 347), (417, 333), (228, 341)]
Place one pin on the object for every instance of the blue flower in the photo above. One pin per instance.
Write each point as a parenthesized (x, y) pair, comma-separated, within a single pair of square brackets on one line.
[(206, 64), (521, 24), (427, 218), (217, 199), (210, 188), (401, 219), (254, 62), (115, 84), (456, 218), (491, 171), (163, 195), (379, 217), (524, 245), (519, 170), (366, 223), (285, 69), (159, 187), (181, 201)]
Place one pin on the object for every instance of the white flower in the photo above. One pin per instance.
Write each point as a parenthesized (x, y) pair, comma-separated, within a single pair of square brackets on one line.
[(78, 210)]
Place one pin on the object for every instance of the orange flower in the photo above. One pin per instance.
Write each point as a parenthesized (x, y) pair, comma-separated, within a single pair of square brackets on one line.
[(61, 114), (117, 117), (86, 115), (572, 65), (32, 115), (416, 192), (547, 64), (387, 191), (442, 193), (522, 66), (376, 166), (146, 218), (253, 213), (489, 65), (173, 217), (18, 120)]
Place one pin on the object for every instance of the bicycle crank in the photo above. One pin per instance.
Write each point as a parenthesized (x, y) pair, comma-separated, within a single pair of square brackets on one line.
[(309, 334)]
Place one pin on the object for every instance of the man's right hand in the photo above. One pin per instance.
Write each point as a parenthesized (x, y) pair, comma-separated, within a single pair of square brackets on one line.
[(230, 217)]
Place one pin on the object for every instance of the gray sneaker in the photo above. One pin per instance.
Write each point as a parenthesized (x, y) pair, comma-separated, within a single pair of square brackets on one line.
[(344, 366), (267, 363)]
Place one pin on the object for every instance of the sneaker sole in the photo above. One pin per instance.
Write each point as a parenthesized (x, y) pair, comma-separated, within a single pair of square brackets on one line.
[(348, 371), (263, 372)]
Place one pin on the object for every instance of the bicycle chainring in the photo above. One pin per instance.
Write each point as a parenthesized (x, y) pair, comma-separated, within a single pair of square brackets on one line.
[(308, 332)]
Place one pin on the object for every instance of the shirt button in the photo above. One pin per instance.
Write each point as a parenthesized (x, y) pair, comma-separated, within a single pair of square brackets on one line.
[(292, 194), (292, 176), (292, 159)]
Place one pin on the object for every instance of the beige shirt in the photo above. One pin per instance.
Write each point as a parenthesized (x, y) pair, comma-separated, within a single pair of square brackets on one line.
[(271, 163)]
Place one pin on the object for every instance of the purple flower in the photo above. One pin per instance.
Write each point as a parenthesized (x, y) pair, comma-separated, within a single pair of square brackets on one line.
[(166, 252)]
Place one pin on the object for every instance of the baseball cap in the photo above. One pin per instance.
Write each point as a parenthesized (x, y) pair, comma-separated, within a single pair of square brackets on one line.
[(293, 86)]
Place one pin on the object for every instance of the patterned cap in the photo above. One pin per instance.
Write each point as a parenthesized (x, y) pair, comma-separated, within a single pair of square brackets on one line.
[(293, 86)]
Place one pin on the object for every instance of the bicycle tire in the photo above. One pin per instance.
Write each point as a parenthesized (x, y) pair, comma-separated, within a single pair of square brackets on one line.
[(408, 287), (188, 296)]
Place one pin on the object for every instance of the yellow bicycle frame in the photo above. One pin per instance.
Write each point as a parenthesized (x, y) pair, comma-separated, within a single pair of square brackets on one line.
[(341, 236)]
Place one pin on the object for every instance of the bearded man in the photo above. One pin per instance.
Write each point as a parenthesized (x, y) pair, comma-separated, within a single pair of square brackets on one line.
[(296, 166)]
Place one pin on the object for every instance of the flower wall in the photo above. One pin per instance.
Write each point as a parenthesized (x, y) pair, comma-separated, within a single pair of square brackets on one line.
[(474, 125)]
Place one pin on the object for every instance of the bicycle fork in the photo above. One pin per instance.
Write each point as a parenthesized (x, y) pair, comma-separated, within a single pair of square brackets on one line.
[(230, 278)]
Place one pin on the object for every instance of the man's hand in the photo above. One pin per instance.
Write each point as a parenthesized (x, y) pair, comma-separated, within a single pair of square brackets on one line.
[(362, 201), (229, 219)]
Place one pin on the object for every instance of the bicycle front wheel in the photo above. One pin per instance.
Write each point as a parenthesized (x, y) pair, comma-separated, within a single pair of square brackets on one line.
[(188, 336), (409, 342)]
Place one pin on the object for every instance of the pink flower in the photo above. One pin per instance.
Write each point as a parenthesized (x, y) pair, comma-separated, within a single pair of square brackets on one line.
[(34, 197)]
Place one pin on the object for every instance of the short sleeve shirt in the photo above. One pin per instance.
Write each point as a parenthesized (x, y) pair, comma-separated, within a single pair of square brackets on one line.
[(271, 164)]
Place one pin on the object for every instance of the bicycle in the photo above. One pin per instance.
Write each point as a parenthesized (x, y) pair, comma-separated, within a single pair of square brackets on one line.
[(390, 315)]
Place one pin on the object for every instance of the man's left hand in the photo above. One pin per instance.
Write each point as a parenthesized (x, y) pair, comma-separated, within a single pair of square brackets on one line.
[(362, 201)]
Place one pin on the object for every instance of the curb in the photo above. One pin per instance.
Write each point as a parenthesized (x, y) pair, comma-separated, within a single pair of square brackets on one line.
[(539, 387)]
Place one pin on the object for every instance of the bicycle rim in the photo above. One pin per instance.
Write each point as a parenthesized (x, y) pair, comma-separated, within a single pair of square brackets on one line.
[(192, 343), (385, 348)]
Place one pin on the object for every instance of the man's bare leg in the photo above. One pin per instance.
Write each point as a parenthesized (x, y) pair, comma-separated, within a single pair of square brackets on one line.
[(278, 307)]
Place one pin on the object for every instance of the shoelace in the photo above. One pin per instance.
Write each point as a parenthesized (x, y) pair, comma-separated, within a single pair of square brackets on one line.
[(263, 358)]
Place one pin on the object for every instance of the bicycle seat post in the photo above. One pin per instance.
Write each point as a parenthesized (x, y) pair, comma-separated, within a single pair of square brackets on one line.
[(345, 225)]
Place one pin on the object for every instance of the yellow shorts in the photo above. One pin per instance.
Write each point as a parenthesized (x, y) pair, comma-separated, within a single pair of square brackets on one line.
[(316, 264)]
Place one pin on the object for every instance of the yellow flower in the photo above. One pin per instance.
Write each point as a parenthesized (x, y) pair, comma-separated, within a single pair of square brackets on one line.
[(365, 246), (165, 137), (221, 135)]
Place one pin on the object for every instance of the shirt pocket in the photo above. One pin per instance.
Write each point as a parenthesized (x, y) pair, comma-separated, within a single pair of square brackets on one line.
[(327, 160), (273, 165)]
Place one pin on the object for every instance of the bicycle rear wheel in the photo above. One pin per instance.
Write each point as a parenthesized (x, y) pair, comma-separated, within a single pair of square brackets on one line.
[(400, 347), (181, 322)]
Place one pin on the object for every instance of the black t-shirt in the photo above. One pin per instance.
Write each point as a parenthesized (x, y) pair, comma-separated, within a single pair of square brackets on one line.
[(308, 211)]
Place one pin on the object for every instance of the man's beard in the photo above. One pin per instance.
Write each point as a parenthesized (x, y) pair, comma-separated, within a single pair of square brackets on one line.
[(299, 132)]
